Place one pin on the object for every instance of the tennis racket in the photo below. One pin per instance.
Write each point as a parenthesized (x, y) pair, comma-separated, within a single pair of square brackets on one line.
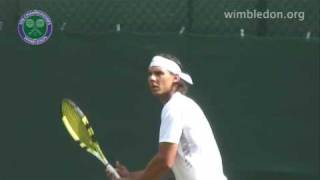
[(78, 127)]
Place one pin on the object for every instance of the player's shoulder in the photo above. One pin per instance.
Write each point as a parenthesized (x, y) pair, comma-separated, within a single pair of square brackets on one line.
[(180, 101)]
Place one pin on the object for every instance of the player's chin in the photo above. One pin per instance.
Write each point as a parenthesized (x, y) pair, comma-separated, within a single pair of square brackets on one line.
[(155, 92)]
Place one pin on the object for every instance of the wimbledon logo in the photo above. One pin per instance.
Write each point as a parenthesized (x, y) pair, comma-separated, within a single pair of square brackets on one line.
[(35, 27)]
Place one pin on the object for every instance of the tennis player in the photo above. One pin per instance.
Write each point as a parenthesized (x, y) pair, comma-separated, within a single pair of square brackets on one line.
[(186, 143)]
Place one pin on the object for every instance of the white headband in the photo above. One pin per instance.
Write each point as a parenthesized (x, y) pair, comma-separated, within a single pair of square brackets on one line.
[(170, 66)]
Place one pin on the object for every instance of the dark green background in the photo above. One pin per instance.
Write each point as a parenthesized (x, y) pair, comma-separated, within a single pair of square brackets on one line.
[(261, 95), (204, 17)]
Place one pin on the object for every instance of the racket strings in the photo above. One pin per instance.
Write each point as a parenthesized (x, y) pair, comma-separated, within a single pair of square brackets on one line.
[(76, 119)]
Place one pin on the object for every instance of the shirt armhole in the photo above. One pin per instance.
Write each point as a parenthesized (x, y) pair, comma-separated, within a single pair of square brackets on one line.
[(171, 126)]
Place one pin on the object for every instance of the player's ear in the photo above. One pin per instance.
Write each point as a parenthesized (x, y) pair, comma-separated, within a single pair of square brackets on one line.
[(176, 78)]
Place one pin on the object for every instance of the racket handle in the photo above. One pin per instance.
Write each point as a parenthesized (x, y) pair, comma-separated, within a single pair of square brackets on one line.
[(113, 171)]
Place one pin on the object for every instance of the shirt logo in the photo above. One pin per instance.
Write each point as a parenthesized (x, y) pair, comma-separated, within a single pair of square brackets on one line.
[(35, 27)]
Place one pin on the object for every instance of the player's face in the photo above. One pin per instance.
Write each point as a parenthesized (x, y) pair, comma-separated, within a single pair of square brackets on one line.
[(161, 81)]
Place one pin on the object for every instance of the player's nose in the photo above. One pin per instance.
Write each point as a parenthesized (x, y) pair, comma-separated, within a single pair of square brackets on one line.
[(152, 77)]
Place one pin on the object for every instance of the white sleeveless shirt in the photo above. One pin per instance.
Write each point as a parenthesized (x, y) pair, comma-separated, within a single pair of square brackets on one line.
[(184, 123)]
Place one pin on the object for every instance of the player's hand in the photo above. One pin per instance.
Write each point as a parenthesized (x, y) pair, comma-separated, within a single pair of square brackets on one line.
[(122, 170)]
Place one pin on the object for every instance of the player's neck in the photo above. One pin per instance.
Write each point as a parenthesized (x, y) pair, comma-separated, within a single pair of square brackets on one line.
[(167, 96)]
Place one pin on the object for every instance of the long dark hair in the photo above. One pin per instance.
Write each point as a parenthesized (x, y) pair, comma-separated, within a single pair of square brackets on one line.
[(182, 85)]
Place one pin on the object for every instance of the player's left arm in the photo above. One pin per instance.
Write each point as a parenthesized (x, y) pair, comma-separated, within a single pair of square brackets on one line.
[(162, 162), (159, 165)]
